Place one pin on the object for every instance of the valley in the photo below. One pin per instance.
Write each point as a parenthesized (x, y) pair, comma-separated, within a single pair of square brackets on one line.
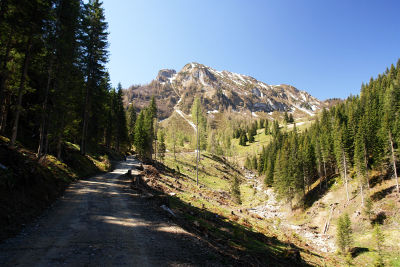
[(180, 133)]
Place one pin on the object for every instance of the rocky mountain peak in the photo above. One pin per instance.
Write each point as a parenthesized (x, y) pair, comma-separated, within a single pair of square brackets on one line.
[(165, 75), (222, 90)]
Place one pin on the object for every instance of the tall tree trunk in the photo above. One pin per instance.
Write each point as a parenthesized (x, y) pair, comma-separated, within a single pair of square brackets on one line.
[(59, 146), (319, 174), (20, 91), (3, 9), (4, 113), (197, 152), (325, 178), (108, 131), (155, 142), (362, 193), (174, 140), (4, 71), (345, 176), (85, 119), (60, 135), (366, 166), (394, 162), (44, 112)]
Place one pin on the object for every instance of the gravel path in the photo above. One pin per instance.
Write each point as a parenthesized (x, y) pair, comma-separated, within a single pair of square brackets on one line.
[(100, 221)]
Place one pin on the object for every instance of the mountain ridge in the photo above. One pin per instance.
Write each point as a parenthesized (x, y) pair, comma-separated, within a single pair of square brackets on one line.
[(220, 91)]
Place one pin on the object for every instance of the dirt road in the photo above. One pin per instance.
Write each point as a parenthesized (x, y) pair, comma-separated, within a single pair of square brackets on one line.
[(100, 221)]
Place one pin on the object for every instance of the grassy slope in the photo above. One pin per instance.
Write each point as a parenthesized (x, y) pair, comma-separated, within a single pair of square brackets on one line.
[(28, 186), (261, 140), (242, 231), (385, 202)]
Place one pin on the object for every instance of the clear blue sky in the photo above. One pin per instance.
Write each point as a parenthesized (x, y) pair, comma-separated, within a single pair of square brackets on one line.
[(325, 47)]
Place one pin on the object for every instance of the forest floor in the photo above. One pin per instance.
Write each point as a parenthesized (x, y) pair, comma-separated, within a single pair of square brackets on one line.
[(102, 221)]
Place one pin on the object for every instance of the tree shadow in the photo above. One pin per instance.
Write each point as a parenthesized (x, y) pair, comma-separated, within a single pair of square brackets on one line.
[(378, 179), (223, 161), (357, 251), (383, 193), (379, 218), (318, 192)]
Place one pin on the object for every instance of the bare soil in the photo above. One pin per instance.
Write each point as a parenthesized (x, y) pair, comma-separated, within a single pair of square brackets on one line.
[(101, 221)]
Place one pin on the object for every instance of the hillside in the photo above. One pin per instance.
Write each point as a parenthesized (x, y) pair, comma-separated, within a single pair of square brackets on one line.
[(220, 91), (310, 172)]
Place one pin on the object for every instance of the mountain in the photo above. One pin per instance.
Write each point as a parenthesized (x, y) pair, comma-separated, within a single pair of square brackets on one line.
[(219, 91)]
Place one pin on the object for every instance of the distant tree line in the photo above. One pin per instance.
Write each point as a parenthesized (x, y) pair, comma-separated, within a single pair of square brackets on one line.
[(248, 133), (360, 134), (54, 86), (142, 129)]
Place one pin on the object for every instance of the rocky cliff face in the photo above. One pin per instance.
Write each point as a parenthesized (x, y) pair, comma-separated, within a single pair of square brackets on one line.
[(219, 91)]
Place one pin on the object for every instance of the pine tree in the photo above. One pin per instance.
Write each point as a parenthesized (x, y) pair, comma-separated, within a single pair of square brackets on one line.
[(254, 162), (33, 11), (291, 119), (150, 132), (94, 57), (344, 233), (235, 190), (269, 172), (379, 240), (161, 145), (368, 208), (266, 125), (261, 124), (359, 161), (151, 124), (247, 163), (340, 143), (122, 130), (251, 137), (141, 136), (391, 114), (199, 121), (131, 123), (286, 117), (275, 129), (63, 84)]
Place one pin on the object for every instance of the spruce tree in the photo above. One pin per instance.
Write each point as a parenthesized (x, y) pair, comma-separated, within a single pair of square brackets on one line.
[(161, 145), (141, 136), (122, 130), (391, 114), (266, 125), (235, 190), (286, 117), (344, 233), (131, 123), (359, 161), (94, 58), (379, 239), (341, 154), (251, 137)]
